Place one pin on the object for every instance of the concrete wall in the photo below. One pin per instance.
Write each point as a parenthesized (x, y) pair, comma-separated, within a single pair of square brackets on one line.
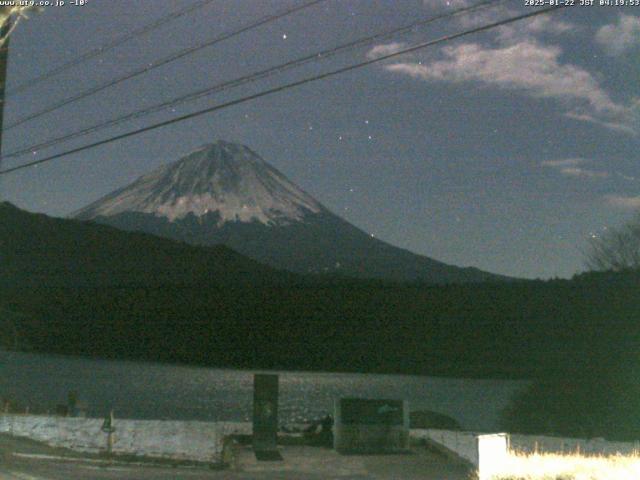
[(175, 440), (235, 428), (461, 444)]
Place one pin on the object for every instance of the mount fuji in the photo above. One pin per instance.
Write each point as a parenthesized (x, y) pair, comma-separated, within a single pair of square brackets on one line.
[(224, 193)]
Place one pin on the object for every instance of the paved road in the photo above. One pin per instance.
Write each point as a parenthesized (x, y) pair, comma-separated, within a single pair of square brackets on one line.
[(24, 460)]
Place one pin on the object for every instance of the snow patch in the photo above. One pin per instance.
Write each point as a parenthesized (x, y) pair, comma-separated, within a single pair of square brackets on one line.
[(223, 178)]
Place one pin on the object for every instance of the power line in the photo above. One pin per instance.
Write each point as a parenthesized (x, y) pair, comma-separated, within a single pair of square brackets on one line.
[(287, 86), (321, 55), (163, 61), (107, 47)]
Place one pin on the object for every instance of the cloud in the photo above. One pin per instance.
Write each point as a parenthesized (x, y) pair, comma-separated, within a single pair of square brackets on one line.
[(528, 29), (546, 24), (526, 66), (533, 69), (611, 125), (541, 25), (385, 49), (519, 57), (583, 172), (622, 201), (565, 162), (570, 167), (617, 38)]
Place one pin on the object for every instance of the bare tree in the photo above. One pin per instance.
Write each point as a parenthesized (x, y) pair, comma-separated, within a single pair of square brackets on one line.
[(617, 250)]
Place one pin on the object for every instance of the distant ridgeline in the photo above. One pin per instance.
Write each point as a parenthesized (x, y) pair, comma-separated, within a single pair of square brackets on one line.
[(83, 288)]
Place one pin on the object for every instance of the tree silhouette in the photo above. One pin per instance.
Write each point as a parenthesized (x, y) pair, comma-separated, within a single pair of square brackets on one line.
[(617, 250)]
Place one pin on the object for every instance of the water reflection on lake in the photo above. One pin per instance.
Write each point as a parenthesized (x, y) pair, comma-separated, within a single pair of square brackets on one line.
[(149, 390)]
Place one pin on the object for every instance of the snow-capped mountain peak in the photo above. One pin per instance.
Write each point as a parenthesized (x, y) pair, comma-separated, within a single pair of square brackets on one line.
[(221, 178), (226, 194)]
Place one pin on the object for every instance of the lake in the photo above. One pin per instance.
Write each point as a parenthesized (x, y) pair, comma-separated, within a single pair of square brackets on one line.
[(160, 391)]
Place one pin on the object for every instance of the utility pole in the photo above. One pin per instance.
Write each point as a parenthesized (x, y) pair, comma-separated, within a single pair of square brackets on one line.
[(10, 16), (4, 60)]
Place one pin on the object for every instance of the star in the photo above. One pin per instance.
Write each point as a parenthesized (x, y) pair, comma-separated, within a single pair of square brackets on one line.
[(284, 36)]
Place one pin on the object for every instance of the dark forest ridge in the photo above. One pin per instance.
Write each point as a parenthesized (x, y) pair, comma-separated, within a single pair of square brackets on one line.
[(43, 251), (83, 288)]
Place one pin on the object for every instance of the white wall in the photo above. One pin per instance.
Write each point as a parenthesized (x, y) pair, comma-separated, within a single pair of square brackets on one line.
[(176, 440), (493, 452)]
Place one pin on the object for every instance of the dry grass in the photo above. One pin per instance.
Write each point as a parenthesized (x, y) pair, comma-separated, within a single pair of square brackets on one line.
[(541, 466)]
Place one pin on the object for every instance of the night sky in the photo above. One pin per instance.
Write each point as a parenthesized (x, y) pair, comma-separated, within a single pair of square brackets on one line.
[(504, 150)]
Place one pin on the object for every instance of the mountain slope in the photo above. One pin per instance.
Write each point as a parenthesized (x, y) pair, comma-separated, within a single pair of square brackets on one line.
[(224, 193), (38, 250)]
